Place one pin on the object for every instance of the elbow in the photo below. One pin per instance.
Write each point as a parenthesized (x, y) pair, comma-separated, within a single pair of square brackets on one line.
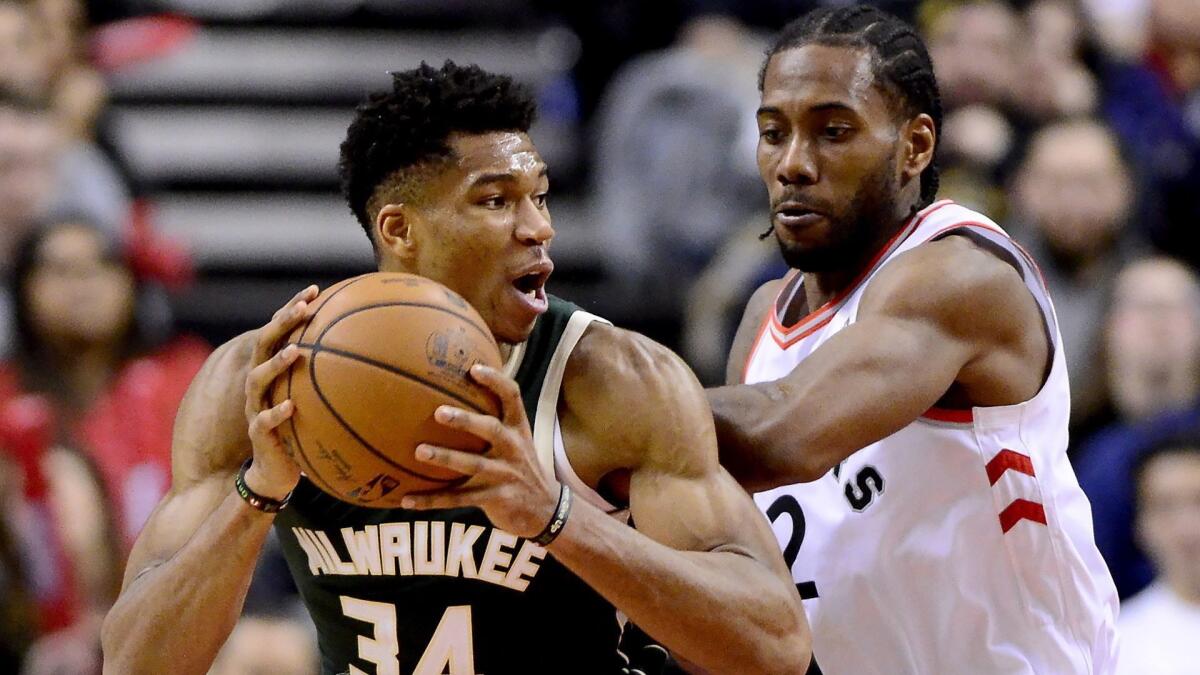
[(787, 458), (793, 654), (787, 644), (782, 641), (777, 654)]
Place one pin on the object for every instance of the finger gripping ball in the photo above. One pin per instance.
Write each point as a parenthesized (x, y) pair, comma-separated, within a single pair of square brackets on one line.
[(379, 356)]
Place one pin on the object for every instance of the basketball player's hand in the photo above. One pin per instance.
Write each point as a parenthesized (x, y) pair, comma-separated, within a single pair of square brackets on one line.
[(508, 483), (273, 473)]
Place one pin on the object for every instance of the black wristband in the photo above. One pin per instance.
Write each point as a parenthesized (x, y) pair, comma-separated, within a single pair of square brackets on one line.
[(558, 520), (255, 500)]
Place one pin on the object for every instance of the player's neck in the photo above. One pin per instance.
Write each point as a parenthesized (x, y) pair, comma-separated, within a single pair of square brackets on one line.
[(821, 287)]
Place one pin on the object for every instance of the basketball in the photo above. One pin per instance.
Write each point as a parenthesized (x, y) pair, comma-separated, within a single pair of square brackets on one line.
[(379, 356)]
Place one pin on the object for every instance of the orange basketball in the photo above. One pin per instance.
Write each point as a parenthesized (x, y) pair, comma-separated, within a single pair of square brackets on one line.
[(382, 352)]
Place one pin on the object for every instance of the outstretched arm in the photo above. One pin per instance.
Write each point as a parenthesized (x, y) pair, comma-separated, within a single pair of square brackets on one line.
[(702, 574), (948, 318), (190, 568)]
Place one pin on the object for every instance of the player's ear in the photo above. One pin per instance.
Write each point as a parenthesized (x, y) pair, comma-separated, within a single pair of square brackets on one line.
[(393, 230), (920, 138)]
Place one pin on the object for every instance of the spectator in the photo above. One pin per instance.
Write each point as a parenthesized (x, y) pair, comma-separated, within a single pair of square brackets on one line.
[(716, 299), (1154, 106), (77, 90), (975, 47), (675, 173), (30, 142), (24, 54), (1153, 372), (1055, 84), (1072, 198), (43, 169), (86, 411), (1153, 340), (1159, 626), (92, 341)]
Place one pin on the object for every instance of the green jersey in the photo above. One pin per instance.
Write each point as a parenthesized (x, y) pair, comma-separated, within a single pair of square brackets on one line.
[(398, 591)]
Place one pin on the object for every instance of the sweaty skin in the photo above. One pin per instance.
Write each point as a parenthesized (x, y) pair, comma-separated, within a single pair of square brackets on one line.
[(702, 573)]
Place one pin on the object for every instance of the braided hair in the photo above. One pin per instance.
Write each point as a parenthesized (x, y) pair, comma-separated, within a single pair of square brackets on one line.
[(900, 61)]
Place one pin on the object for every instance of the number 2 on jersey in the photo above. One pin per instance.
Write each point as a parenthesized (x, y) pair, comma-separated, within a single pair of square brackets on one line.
[(451, 644), (788, 504)]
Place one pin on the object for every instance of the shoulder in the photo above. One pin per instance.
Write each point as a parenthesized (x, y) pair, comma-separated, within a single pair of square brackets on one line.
[(608, 357), (633, 393), (743, 341), (762, 298), (955, 283)]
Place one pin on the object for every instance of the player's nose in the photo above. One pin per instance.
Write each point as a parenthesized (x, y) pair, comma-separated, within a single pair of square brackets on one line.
[(798, 163), (533, 224)]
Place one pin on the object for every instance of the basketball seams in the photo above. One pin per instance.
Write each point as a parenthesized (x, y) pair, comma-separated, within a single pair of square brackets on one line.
[(347, 284), (317, 346), (316, 475), (424, 305), (299, 445), (350, 430)]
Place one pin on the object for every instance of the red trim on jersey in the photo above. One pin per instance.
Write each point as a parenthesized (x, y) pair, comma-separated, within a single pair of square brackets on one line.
[(1021, 509), (950, 415), (1009, 459), (832, 304)]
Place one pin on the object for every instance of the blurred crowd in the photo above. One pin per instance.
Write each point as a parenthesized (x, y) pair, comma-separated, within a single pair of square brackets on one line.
[(1074, 123)]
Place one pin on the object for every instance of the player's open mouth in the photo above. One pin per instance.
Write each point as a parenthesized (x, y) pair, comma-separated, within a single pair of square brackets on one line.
[(531, 287)]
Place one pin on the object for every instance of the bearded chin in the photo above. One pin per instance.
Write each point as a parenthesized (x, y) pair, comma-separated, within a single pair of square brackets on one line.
[(854, 231), (822, 259)]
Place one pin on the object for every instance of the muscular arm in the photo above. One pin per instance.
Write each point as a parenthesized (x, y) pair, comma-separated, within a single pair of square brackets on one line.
[(702, 573), (188, 573), (189, 570), (946, 321)]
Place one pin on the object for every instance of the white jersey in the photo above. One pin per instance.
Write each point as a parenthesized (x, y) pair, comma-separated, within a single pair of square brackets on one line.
[(961, 544)]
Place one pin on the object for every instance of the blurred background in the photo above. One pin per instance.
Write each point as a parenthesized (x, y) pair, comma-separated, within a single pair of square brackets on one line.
[(167, 180)]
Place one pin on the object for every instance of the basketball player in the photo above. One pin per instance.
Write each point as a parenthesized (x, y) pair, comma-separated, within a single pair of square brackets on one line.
[(444, 178), (900, 398)]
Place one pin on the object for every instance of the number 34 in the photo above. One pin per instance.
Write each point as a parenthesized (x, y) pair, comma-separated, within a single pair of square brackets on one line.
[(451, 644)]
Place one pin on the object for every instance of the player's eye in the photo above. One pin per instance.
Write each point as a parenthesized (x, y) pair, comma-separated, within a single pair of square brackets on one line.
[(494, 202), (540, 199), (835, 132), (770, 135)]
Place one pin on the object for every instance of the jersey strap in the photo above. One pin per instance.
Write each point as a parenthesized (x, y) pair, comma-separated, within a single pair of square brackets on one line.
[(788, 335), (546, 416)]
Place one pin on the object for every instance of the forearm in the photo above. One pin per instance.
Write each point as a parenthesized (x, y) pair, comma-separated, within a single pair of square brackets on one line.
[(747, 438), (175, 616), (721, 610)]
